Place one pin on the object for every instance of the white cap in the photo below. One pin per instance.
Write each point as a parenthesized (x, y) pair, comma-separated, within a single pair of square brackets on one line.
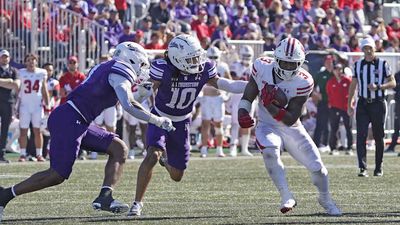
[(368, 41), (4, 52)]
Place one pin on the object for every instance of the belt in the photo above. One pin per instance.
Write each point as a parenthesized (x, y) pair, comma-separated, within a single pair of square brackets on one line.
[(371, 100)]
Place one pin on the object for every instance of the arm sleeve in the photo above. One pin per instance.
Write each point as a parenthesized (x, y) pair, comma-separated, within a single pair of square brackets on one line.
[(236, 86), (122, 87)]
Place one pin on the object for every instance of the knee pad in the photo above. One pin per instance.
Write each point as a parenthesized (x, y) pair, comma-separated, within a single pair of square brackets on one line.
[(219, 131)]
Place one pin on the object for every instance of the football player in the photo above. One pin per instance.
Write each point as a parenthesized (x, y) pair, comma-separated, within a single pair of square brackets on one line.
[(33, 92), (178, 79), (280, 126), (214, 97), (69, 126), (241, 70)]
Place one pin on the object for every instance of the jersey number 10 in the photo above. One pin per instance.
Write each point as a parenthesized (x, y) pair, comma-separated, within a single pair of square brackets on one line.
[(187, 95)]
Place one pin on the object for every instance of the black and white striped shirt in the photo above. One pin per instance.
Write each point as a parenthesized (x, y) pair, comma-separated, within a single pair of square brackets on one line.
[(367, 73)]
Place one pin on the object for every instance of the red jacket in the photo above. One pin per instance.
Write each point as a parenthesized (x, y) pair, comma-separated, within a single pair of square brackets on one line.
[(70, 81), (338, 92)]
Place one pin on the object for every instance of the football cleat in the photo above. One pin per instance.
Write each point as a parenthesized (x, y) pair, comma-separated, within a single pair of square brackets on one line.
[(330, 206), (110, 205), (131, 154), (246, 153), (163, 160), (136, 209), (233, 150), (363, 173), (378, 173), (288, 205)]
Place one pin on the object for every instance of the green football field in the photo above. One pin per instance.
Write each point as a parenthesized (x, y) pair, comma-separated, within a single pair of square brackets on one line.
[(213, 191)]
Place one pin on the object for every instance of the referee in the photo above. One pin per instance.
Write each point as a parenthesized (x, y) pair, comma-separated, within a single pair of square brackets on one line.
[(373, 76)]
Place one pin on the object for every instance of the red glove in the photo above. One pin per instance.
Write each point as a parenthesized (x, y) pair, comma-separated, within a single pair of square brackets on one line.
[(245, 121), (268, 95)]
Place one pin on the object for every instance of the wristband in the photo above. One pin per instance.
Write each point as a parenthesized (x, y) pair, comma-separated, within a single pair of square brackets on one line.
[(245, 104), (279, 116)]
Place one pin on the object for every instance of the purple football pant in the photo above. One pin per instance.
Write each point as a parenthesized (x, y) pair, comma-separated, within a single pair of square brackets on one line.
[(175, 143), (68, 131)]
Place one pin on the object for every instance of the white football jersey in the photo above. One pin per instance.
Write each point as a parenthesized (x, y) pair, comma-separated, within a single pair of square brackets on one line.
[(31, 85), (243, 72), (300, 85)]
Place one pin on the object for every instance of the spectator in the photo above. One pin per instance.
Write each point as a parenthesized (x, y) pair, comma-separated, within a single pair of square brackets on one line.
[(156, 42), (348, 18), (182, 12), (79, 6), (372, 9), (299, 10), (159, 13), (339, 44), (393, 29), (127, 34), (393, 45), (337, 90), (199, 25), (70, 79), (269, 44), (240, 18), (321, 133), (353, 44), (146, 27), (138, 38), (216, 8), (275, 10), (316, 10), (32, 94), (277, 27), (222, 32), (264, 21), (395, 135), (104, 8), (122, 7), (8, 83), (371, 105)]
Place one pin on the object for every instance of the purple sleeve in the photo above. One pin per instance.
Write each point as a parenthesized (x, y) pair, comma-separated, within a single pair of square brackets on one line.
[(123, 70), (157, 69)]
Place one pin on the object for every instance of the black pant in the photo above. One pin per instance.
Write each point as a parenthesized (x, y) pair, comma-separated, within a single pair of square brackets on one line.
[(334, 118), (395, 135), (5, 115), (373, 113), (321, 129)]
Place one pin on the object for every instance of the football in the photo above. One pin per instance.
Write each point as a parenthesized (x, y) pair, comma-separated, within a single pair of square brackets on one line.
[(280, 96)]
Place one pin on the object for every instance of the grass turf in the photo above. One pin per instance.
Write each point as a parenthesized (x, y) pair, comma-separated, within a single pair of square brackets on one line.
[(213, 191)]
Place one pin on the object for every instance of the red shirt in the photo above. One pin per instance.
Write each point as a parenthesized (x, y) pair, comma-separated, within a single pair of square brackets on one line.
[(338, 92), (69, 81)]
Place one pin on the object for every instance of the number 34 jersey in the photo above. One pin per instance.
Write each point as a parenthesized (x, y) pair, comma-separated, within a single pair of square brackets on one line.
[(177, 91), (31, 86), (263, 72)]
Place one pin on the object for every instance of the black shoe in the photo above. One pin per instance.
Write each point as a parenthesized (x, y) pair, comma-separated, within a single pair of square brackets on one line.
[(363, 173), (378, 173), (163, 159), (3, 160), (389, 150), (109, 204)]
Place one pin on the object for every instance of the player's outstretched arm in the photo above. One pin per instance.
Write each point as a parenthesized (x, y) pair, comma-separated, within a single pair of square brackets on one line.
[(122, 88), (250, 93), (291, 113), (233, 86)]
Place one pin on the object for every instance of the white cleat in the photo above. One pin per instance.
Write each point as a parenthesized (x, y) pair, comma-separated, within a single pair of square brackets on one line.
[(136, 209), (288, 205), (246, 153), (233, 150), (330, 206)]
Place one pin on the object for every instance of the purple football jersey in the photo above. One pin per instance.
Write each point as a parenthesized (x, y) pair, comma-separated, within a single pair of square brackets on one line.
[(177, 91), (95, 93)]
